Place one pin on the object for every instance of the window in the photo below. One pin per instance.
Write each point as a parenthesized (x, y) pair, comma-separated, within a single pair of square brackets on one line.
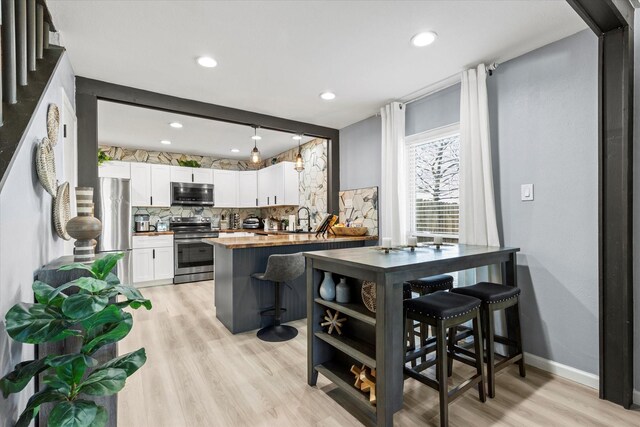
[(433, 159)]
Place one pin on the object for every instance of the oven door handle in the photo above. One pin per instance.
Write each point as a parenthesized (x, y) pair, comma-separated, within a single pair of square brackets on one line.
[(179, 241)]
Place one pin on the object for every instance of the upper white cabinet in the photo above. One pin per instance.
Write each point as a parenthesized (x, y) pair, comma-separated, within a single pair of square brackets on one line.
[(161, 185), (150, 185), (115, 169), (197, 175), (278, 185), (225, 188), (202, 175), (247, 189)]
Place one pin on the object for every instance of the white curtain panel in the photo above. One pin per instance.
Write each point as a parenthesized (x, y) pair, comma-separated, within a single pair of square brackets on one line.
[(478, 225), (393, 194)]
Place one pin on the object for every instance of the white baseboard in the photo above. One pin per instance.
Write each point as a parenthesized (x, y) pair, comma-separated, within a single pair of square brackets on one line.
[(564, 371), (573, 374)]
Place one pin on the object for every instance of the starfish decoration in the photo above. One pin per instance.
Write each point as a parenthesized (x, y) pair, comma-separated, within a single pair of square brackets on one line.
[(365, 381), (333, 322)]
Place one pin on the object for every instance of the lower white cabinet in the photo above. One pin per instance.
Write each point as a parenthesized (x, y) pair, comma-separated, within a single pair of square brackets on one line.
[(152, 259)]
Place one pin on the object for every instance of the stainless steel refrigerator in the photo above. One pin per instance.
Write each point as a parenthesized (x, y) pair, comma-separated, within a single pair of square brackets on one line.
[(113, 208)]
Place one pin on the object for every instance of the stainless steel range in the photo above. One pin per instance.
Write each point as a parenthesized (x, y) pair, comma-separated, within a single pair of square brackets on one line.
[(193, 258)]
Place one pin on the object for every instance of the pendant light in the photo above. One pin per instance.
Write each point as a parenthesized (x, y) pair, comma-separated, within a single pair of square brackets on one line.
[(255, 153), (299, 162)]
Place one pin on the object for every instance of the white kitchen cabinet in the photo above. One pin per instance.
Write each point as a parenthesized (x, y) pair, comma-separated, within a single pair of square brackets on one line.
[(247, 189), (225, 188), (278, 185), (150, 185), (181, 174), (140, 184), (152, 259), (202, 175), (143, 263), (115, 169), (161, 185), (196, 175)]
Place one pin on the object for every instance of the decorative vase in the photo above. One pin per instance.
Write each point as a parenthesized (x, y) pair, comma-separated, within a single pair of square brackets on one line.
[(85, 227), (328, 287), (342, 292)]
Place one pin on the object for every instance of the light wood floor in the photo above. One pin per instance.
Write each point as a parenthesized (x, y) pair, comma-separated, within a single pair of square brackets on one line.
[(198, 374)]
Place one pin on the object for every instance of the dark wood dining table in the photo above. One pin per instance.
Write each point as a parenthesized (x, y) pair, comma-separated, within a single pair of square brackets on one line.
[(376, 339)]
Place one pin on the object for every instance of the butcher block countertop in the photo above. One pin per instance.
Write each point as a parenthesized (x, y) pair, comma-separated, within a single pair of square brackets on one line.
[(153, 233), (281, 240)]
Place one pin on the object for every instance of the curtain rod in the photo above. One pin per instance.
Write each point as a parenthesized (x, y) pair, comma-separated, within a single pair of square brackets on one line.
[(441, 85)]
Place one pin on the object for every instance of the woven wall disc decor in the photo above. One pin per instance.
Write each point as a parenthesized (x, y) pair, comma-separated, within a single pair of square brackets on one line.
[(46, 166), (369, 295), (53, 124), (62, 211)]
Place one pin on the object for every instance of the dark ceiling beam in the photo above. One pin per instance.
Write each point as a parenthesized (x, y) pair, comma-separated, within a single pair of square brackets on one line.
[(612, 22)]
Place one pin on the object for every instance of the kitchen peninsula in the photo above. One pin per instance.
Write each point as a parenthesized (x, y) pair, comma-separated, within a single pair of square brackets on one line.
[(239, 298)]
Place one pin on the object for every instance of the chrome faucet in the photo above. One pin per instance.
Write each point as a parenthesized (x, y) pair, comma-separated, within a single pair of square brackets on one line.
[(308, 217)]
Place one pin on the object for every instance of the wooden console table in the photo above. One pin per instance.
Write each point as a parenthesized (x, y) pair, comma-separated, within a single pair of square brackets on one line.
[(376, 339)]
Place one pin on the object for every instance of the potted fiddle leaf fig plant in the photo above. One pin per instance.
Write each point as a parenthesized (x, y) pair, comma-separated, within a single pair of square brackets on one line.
[(93, 317)]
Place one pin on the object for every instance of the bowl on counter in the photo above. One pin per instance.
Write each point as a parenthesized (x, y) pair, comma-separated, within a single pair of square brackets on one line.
[(350, 231)]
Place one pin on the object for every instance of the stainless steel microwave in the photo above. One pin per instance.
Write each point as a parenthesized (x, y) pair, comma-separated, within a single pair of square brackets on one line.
[(190, 194)]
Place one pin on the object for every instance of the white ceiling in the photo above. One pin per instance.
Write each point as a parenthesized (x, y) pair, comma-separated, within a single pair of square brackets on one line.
[(275, 57), (134, 127)]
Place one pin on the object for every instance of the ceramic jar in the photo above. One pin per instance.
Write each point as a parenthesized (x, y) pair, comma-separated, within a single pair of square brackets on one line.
[(328, 287), (343, 292)]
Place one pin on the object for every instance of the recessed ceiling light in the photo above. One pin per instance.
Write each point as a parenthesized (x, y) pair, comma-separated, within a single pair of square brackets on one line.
[(165, 142), (423, 39), (296, 137), (176, 125), (328, 96), (207, 62), (235, 150)]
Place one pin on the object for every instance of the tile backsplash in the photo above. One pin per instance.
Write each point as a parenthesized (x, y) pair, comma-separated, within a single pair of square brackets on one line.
[(361, 207)]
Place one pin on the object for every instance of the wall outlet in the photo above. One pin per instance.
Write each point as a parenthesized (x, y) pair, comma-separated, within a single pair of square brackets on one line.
[(526, 192)]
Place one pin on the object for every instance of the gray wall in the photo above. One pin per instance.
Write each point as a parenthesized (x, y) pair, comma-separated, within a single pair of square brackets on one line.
[(636, 202), (360, 154), (543, 109), (436, 110), (27, 239), (544, 130)]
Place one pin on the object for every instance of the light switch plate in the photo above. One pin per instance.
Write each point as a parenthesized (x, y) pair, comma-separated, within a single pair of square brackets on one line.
[(526, 192)]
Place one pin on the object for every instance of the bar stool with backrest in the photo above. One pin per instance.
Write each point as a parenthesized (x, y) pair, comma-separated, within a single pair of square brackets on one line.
[(281, 268), (495, 297), (444, 311)]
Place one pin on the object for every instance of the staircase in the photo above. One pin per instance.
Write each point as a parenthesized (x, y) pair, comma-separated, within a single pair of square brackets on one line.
[(28, 62)]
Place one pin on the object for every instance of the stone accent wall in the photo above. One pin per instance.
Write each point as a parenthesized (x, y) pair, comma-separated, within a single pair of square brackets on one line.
[(361, 207)]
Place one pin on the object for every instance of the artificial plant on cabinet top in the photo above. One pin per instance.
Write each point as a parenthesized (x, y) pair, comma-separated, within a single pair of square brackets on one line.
[(95, 318)]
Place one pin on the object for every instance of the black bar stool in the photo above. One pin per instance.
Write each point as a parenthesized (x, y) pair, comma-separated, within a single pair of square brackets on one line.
[(495, 297), (280, 269), (444, 311), (424, 286)]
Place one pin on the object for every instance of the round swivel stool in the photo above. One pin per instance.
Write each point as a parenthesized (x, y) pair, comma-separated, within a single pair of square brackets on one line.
[(280, 269)]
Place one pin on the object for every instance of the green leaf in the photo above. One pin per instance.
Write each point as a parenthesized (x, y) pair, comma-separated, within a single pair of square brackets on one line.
[(71, 368), (56, 383), (43, 291), (111, 314), (114, 332), (129, 362), (56, 361), (104, 382), (18, 379), (134, 297), (101, 418), (66, 334), (112, 279), (33, 405), (79, 413), (91, 284), (103, 266), (35, 323), (77, 266), (81, 306)]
